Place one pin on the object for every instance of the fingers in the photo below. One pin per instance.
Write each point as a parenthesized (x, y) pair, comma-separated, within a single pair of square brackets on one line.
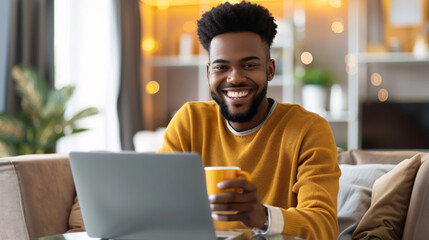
[(242, 203), (233, 197), (241, 217), (237, 183), (245, 204), (253, 215), (233, 207)]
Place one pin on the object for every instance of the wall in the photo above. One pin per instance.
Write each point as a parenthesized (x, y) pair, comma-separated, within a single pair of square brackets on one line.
[(405, 82), (329, 50)]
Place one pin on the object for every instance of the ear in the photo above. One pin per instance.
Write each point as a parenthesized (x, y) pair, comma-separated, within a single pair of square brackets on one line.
[(271, 69), (208, 71)]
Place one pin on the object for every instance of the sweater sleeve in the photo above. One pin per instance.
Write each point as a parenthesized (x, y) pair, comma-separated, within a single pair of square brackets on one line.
[(316, 187)]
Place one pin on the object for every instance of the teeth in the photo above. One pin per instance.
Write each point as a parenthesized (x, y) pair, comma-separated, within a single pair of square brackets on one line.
[(237, 94)]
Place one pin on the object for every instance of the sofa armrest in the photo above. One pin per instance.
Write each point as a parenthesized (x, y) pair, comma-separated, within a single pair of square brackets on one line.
[(36, 195), (416, 224)]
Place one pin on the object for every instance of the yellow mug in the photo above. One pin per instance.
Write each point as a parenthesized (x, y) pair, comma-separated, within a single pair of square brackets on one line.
[(214, 175)]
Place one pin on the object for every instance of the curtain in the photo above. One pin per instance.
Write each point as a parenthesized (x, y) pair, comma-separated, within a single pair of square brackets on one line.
[(31, 39), (88, 56), (129, 102), (4, 40)]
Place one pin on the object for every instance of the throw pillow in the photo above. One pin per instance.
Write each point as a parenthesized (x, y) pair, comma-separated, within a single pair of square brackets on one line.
[(75, 218), (391, 193), (354, 196)]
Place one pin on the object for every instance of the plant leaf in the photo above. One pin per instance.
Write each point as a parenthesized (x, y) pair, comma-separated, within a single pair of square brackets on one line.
[(31, 87), (56, 102), (25, 149), (58, 136), (83, 114), (48, 132), (78, 130), (6, 150), (316, 76), (12, 128)]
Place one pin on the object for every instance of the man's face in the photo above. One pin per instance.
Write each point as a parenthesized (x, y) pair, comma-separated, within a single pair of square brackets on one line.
[(238, 73)]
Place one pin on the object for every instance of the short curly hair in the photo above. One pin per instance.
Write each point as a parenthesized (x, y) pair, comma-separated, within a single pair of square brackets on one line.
[(240, 17)]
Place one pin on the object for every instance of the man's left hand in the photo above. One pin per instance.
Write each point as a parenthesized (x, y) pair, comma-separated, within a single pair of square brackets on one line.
[(250, 211)]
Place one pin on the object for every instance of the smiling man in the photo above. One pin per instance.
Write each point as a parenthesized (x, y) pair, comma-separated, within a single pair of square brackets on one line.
[(289, 152)]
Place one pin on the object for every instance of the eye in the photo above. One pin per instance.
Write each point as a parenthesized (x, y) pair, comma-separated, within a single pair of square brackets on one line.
[(249, 65), (220, 67)]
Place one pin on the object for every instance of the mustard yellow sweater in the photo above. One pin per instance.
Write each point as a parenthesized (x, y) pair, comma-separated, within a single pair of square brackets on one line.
[(291, 160)]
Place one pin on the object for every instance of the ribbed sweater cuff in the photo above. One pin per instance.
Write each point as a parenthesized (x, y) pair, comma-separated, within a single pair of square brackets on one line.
[(275, 220)]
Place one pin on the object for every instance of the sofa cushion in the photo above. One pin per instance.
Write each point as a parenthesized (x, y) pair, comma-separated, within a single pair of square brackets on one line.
[(385, 219), (354, 196), (357, 157), (12, 219), (418, 209), (75, 218)]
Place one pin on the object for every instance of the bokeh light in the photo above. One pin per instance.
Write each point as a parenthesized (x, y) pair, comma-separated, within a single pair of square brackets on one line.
[(335, 3), (152, 87), (148, 45), (376, 79), (351, 64), (351, 70), (350, 59), (306, 58), (337, 27), (163, 4), (383, 95)]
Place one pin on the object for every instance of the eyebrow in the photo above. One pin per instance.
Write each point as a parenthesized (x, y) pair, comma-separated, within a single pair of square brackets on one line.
[(242, 60)]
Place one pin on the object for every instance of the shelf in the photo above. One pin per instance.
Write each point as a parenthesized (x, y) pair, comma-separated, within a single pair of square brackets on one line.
[(391, 57)]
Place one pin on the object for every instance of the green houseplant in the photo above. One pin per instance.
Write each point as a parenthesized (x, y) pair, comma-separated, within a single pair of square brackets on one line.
[(314, 90), (37, 128), (314, 76)]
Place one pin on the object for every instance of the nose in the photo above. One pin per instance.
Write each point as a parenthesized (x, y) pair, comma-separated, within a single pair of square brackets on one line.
[(235, 77)]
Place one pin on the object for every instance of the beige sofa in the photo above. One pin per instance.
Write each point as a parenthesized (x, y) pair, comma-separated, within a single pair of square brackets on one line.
[(37, 194)]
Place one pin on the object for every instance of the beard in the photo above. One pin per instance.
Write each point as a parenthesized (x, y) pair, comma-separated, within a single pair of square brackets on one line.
[(241, 117)]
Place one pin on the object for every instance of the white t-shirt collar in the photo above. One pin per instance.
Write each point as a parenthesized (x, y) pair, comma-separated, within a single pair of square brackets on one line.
[(244, 133)]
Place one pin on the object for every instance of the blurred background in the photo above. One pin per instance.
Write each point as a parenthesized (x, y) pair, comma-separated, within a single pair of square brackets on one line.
[(361, 64)]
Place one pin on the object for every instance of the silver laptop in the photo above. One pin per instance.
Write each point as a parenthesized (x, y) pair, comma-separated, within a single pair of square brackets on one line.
[(143, 196)]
